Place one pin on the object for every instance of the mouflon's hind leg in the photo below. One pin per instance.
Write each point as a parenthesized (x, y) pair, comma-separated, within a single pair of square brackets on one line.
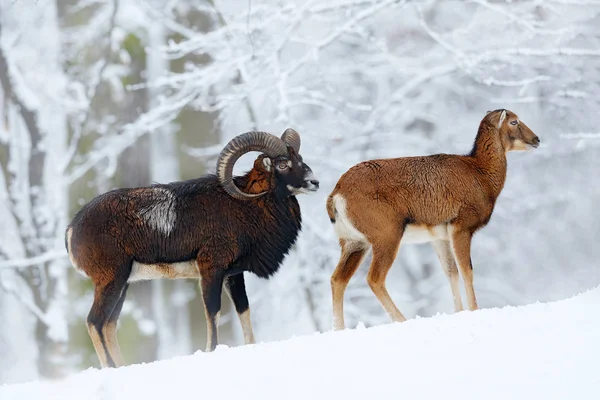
[(350, 259), (212, 287), (446, 257), (102, 322), (385, 249), (236, 290), (110, 330)]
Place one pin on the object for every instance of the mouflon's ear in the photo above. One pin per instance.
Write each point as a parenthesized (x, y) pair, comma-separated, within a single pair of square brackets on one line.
[(502, 118)]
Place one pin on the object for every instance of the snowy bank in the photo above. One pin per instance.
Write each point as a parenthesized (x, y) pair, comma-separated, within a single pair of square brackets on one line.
[(539, 351)]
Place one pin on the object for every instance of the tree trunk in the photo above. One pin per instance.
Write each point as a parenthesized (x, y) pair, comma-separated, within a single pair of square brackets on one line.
[(40, 198)]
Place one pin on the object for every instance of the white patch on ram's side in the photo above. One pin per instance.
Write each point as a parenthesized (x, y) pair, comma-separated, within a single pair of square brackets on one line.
[(422, 234), (343, 227), (180, 270), (160, 214), (73, 262)]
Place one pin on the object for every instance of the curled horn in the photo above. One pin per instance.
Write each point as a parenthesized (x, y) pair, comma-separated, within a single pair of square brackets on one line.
[(264, 142), (292, 139)]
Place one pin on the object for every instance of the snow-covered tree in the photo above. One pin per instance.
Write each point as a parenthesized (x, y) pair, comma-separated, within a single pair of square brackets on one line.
[(64, 107), (33, 197)]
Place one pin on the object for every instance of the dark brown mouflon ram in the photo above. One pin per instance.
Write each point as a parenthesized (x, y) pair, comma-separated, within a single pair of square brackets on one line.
[(442, 198), (213, 228)]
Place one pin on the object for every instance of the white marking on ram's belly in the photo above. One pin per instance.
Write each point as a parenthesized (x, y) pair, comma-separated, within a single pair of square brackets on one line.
[(343, 227), (73, 262), (161, 214), (422, 233), (180, 270)]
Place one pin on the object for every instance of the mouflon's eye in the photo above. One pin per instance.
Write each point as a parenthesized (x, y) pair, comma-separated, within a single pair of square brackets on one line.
[(282, 165), (514, 122)]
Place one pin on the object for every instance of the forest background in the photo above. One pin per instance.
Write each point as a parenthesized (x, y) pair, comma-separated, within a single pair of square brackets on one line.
[(99, 94)]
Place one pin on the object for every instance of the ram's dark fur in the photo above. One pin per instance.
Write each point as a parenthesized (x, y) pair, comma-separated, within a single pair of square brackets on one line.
[(208, 228), (236, 235)]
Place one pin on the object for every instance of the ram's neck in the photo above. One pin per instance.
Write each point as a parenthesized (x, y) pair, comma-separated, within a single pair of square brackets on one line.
[(490, 158), (253, 182)]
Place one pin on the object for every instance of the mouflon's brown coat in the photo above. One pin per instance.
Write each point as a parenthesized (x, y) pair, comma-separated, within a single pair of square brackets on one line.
[(442, 198)]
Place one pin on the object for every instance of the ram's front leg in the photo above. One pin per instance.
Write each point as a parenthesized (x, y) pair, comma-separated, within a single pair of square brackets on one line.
[(212, 285), (236, 289)]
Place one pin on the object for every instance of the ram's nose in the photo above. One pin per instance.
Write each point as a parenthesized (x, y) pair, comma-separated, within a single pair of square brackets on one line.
[(311, 184)]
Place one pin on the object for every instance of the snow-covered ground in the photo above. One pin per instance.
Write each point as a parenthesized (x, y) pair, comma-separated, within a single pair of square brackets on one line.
[(539, 351)]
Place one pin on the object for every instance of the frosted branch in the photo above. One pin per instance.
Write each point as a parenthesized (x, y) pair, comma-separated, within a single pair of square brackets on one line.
[(211, 151), (329, 39), (27, 303), (93, 90), (37, 260)]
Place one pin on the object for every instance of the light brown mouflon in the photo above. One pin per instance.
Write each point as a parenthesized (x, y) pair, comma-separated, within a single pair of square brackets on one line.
[(442, 198)]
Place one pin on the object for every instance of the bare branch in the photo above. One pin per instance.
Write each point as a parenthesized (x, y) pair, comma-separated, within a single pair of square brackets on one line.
[(94, 89), (27, 303), (40, 259)]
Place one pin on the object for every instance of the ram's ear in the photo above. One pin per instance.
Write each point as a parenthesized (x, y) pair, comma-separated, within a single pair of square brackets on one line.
[(267, 163), (502, 118), (487, 112)]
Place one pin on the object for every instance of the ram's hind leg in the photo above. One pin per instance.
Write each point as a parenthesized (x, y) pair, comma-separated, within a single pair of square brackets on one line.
[(444, 252), (236, 290), (212, 287), (102, 321), (385, 249), (110, 331), (352, 255)]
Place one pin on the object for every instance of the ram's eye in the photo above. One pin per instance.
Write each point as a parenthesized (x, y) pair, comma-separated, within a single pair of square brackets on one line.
[(282, 165), (514, 122)]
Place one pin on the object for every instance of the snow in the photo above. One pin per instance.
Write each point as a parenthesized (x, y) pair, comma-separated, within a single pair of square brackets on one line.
[(359, 79), (542, 350)]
